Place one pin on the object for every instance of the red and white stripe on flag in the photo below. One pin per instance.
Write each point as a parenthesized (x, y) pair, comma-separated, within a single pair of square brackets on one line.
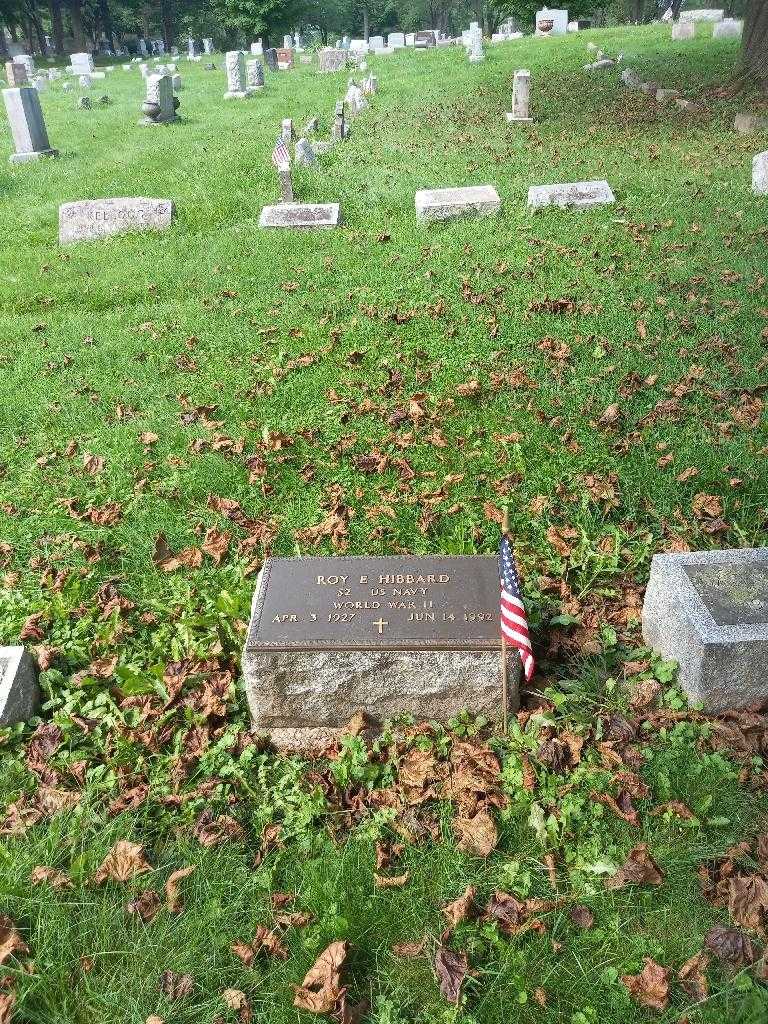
[(514, 628)]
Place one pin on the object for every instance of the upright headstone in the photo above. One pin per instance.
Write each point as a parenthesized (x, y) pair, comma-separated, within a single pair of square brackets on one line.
[(270, 58), (257, 49), (376, 42), (760, 174), (331, 60), (16, 75), (287, 130), (303, 153), (208, 45), (330, 637), (728, 28), (81, 64), (340, 130), (551, 22), (143, 48), (25, 115), (285, 58), (191, 49), (521, 97), (237, 88), (19, 689), (709, 611), (396, 40), (254, 74), (684, 30), (28, 62), (287, 42), (161, 105), (176, 82), (476, 49)]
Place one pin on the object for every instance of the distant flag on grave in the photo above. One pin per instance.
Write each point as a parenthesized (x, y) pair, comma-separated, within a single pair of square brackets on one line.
[(281, 158), (514, 624)]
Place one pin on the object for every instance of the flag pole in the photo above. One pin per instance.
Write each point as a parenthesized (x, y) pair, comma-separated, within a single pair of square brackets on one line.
[(504, 679)]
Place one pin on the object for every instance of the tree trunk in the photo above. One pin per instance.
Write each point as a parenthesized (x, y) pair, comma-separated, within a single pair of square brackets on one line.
[(76, 17), (105, 19), (167, 23), (366, 23), (57, 27), (754, 45), (3, 45), (37, 25)]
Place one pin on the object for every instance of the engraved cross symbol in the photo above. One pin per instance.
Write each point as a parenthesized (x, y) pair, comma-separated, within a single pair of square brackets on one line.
[(381, 623)]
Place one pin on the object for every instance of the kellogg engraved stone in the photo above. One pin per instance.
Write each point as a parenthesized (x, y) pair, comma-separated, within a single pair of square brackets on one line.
[(388, 636), (709, 611), (97, 218)]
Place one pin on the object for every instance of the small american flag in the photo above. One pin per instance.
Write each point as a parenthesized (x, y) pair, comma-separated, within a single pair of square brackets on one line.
[(514, 625), (281, 158)]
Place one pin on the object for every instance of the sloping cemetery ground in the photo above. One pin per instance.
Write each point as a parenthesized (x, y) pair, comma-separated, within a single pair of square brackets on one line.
[(177, 405)]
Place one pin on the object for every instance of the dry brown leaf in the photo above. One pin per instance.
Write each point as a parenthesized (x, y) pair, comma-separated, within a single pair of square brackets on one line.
[(692, 978), (408, 950), (748, 901), (167, 561), (123, 862), (391, 881), (56, 879), (321, 989), (7, 1003), (172, 894), (651, 987), (477, 835), (582, 916), (176, 986), (460, 909), (216, 544), (146, 906), (730, 945), (638, 869), (10, 940), (451, 969)]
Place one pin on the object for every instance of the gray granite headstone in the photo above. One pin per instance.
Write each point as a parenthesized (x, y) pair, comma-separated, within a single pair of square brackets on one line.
[(401, 635), (19, 690), (97, 218), (25, 115), (578, 195), (709, 611), (448, 203), (16, 74), (270, 58), (332, 60)]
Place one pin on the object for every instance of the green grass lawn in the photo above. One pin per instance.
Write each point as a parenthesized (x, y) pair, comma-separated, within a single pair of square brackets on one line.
[(601, 375)]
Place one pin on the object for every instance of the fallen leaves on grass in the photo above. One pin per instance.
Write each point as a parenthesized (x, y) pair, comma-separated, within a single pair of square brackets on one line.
[(649, 988), (409, 950), (582, 916), (391, 881), (730, 945), (477, 835), (451, 969), (167, 561), (211, 831), (146, 906), (176, 986), (460, 909), (321, 989), (172, 894), (123, 862), (264, 941), (11, 941), (237, 1001), (7, 1003), (56, 879), (638, 869), (692, 978)]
